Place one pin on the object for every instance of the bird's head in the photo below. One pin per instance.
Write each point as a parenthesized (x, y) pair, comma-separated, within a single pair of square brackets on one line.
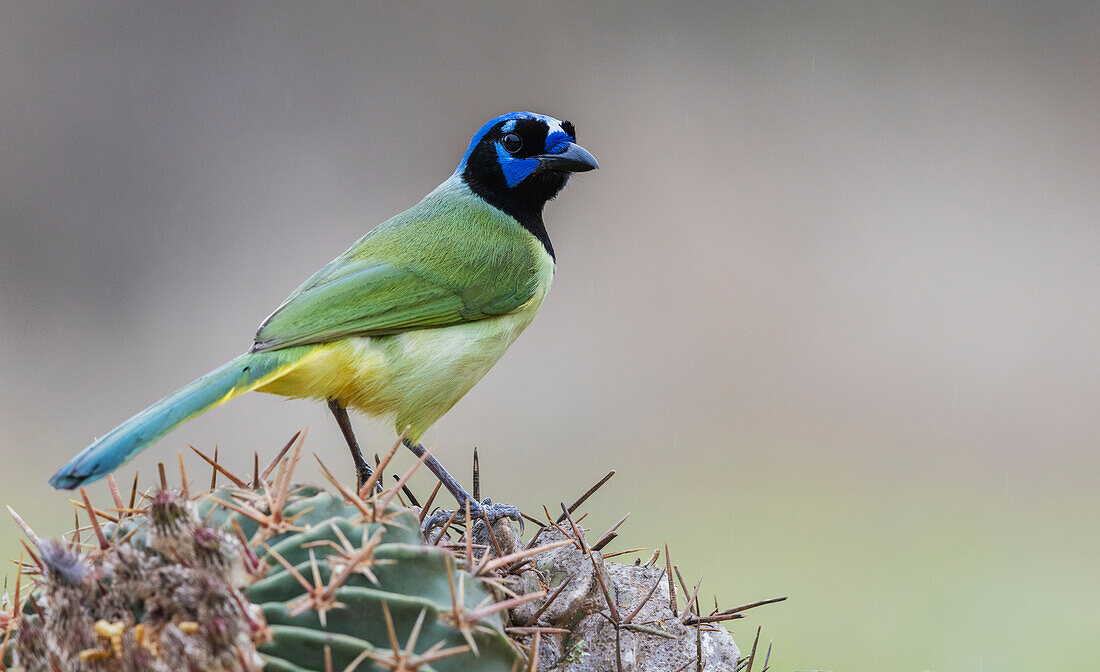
[(519, 161)]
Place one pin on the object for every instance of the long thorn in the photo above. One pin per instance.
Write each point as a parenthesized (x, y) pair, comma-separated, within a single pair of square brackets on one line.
[(253, 559), (717, 618), (469, 535), (652, 590), (511, 603), (183, 479), (112, 485), (34, 557), (671, 586), (752, 656), (390, 630), (576, 530), (283, 488), (18, 585), (615, 618), (368, 487), (532, 629), (408, 493), (103, 543), (133, 491), (559, 528), (751, 605), (492, 534), (691, 602), (23, 526), (553, 596), (619, 649), (310, 588), (99, 512), (213, 462), (532, 519), (348, 494), (271, 465), (623, 552), (443, 530), (588, 493), (387, 497), (477, 478), (699, 650), (609, 536), (520, 555), (428, 504), (680, 577)]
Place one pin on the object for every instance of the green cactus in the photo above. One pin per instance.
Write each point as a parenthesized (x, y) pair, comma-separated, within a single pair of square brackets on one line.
[(400, 574), (287, 578)]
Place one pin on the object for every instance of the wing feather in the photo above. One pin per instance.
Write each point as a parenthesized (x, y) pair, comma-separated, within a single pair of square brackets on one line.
[(401, 278)]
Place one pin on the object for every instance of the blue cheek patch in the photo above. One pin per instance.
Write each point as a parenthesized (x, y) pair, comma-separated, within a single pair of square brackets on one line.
[(557, 142), (515, 170)]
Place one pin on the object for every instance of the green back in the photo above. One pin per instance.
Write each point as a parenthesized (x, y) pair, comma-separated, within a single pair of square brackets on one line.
[(450, 259)]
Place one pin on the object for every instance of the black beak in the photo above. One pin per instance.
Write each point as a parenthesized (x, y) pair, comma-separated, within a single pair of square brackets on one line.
[(573, 159)]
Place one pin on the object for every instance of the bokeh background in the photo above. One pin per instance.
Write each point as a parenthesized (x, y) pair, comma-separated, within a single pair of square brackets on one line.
[(831, 307)]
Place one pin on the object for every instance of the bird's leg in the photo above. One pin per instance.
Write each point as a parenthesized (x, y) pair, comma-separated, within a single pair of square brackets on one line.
[(362, 470), (493, 511), (448, 481)]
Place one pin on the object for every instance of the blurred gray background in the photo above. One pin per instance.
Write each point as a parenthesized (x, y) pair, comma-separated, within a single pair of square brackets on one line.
[(830, 307)]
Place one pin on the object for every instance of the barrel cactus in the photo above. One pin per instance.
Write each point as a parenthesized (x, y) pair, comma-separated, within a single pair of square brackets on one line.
[(270, 575), (282, 578)]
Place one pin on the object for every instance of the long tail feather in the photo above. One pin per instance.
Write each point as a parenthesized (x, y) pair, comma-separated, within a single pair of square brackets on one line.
[(122, 443)]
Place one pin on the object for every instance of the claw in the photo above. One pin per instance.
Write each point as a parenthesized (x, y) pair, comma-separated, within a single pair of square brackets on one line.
[(493, 512), (498, 511), (437, 519)]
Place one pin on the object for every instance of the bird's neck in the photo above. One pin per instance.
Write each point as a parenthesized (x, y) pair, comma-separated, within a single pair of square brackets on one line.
[(527, 214), (537, 228)]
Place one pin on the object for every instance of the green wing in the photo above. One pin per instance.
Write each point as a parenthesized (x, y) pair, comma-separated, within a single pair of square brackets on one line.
[(421, 269)]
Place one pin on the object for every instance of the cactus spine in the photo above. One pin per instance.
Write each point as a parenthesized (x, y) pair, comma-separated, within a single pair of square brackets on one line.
[(291, 578)]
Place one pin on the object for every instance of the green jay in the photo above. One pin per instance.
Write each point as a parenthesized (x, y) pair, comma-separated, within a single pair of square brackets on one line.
[(409, 318)]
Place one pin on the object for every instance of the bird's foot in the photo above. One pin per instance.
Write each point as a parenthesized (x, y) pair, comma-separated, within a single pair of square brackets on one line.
[(478, 512)]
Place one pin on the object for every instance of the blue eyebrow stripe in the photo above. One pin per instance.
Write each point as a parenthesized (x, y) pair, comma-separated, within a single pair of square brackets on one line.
[(557, 142)]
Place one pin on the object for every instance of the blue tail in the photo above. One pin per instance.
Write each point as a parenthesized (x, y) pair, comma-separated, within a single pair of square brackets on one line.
[(122, 443)]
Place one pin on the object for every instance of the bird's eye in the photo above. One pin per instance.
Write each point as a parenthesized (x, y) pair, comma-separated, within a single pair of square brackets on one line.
[(512, 142)]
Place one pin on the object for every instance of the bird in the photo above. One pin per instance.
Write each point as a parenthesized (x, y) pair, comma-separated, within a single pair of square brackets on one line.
[(407, 320)]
